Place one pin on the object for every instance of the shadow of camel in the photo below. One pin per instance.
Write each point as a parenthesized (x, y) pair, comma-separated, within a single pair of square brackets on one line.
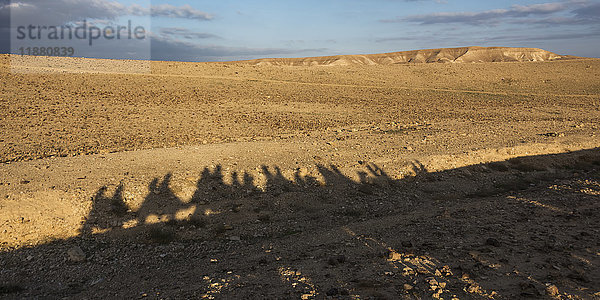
[(526, 227)]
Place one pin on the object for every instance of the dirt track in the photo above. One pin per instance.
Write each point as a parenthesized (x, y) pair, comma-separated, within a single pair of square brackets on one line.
[(371, 186)]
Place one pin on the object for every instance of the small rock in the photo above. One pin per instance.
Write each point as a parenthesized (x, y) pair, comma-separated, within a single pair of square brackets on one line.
[(408, 287), (76, 254), (552, 134), (578, 274), (473, 288), (97, 281), (333, 292), (393, 255), (235, 238), (529, 290), (303, 172), (336, 260), (552, 290), (433, 283), (265, 218), (492, 242)]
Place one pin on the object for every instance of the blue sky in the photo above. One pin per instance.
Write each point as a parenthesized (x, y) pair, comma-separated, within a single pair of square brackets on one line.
[(233, 29)]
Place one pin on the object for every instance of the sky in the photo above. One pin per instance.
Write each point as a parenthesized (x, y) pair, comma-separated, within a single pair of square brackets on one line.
[(233, 30)]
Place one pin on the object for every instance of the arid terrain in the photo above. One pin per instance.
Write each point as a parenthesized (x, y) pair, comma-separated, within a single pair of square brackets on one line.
[(283, 180)]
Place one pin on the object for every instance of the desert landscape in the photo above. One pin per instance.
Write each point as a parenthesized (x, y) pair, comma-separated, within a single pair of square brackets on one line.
[(464, 173)]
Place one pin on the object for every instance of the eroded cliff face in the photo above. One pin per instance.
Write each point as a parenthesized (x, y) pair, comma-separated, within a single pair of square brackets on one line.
[(445, 55)]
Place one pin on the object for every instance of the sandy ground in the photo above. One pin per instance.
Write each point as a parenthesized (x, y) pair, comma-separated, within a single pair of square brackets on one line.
[(262, 182)]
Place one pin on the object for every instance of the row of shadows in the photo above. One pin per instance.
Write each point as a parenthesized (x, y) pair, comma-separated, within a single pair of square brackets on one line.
[(523, 227)]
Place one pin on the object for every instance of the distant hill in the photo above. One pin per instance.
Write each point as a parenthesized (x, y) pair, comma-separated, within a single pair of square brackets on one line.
[(444, 55)]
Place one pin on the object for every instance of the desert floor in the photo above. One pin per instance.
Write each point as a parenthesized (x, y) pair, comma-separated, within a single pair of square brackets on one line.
[(230, 181)]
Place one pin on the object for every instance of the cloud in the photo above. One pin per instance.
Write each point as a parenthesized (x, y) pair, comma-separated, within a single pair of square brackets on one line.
[(169, 43), (437, 1), (96, 12), (494, 16), (4, 27), (168, 49), (183, 12), (57, 12), (185, 33), (547, 37), (4, 40), (403, 38), (591, 12), (462, 38)]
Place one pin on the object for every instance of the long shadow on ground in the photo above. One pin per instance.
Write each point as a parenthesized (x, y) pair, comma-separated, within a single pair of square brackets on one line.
[(527, 227)]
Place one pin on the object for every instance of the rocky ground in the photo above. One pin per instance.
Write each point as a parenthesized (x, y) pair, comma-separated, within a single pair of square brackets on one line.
[(234, 181)]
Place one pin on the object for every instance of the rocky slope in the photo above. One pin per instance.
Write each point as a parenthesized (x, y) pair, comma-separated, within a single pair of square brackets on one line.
[(444, 55)]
